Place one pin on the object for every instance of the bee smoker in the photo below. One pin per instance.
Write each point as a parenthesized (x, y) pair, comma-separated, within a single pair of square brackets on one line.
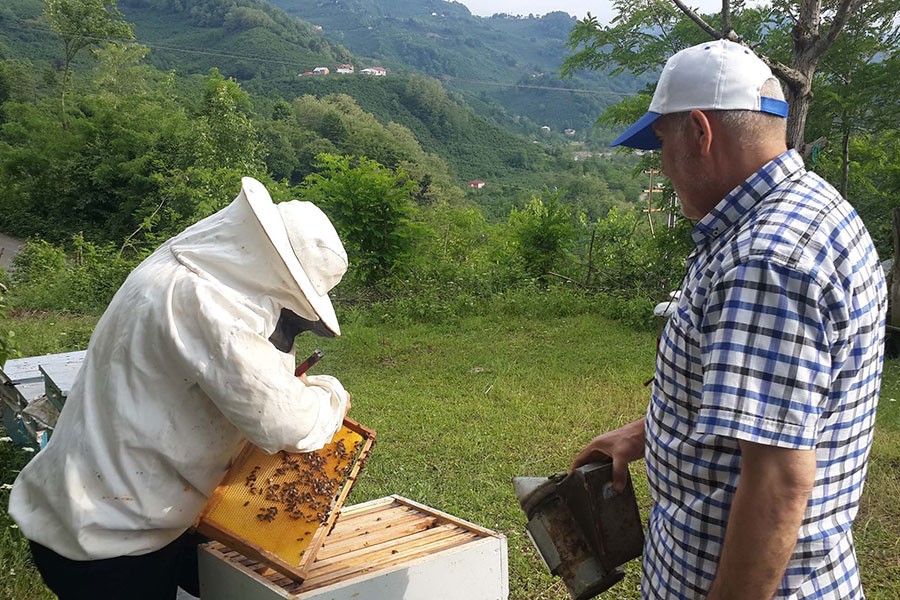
[(582, 528)]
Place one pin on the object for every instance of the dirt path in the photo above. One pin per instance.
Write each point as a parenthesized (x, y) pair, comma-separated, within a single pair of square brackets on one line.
[(8, 248)]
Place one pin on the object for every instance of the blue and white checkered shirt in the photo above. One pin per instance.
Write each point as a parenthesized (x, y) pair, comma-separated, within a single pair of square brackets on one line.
[(776, 340)]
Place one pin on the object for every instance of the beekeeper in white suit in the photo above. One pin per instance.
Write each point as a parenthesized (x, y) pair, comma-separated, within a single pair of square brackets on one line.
[(179, 372)]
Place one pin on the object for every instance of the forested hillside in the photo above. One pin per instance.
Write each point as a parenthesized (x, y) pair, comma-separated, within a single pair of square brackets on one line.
[(126, 151), (474, 146), (24, 33), (251, 38), (507, 67), (246, 39), (126, 155), (504, 61), (264, 48), (150, 124)]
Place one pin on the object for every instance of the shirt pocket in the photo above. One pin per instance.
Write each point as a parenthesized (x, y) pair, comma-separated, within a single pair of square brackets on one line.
[(678, 381)]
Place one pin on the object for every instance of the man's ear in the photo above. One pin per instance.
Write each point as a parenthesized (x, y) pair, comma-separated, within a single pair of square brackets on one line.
[(701, 132)]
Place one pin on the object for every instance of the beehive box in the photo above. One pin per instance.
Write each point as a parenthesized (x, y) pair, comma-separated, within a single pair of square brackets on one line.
[(32, 391), (277, 509), (386, 549)]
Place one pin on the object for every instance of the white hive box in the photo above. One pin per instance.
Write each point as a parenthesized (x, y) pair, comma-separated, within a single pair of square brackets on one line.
[(33, 391), (386, 549)]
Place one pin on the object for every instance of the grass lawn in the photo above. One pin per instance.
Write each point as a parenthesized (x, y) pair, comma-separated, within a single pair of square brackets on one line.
[(462, 409)]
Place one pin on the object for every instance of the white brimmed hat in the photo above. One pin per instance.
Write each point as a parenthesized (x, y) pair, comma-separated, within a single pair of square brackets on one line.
[(718, 75), (307, 243)]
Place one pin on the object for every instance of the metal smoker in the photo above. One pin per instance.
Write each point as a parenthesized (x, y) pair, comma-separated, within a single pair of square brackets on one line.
[(583, 530)]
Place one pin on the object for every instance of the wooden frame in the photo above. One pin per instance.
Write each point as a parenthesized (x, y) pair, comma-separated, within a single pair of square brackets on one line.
[(209, 525)]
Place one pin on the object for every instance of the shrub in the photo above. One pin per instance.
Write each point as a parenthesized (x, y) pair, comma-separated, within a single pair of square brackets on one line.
[(7, 337), (37, 261), (629, 262), (371, 208), (542, 230), (44, 278)]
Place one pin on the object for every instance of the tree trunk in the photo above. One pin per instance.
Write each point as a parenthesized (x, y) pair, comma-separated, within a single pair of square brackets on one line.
[(799, 95), (845, 161), (62, 98), (70, 52), (798, 109), (809, 46)]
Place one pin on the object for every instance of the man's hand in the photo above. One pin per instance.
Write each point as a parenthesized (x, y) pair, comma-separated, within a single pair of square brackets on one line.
[(347, 408), (623, 445)]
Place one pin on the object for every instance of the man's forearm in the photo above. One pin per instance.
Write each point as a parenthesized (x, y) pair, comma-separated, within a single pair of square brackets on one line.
[(764, 521)]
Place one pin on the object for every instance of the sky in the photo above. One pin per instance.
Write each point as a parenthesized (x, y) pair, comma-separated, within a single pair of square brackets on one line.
[(602, 9)]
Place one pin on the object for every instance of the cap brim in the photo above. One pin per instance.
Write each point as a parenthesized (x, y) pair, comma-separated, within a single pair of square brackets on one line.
[(273, 225), (640, 135)]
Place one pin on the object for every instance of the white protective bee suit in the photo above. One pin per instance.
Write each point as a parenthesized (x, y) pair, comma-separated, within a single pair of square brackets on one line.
[(179, 373)]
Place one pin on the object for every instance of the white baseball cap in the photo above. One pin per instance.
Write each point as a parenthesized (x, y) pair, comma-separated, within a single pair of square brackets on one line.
[(719, 75), (307, 243)]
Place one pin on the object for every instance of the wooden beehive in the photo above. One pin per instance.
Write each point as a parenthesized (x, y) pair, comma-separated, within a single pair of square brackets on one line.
[(33, 391), (277, 509), (390, 548)]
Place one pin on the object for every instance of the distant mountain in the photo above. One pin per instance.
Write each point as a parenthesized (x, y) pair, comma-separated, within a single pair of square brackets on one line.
[(244, 38), (473, 146), (265, 49), (506, 67), (507, 61), (22, 32)]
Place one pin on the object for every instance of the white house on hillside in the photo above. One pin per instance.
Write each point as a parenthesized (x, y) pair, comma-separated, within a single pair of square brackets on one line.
[(321, 71), (345, 69), (377, 71)]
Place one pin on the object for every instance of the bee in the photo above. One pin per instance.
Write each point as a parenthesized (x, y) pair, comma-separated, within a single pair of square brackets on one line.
[(267, 514)]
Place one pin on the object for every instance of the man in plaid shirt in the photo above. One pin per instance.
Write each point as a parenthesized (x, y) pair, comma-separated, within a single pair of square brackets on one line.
[(760, 422)]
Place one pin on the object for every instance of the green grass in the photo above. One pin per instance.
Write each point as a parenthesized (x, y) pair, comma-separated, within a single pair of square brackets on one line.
[(877, 527), (37, 334), (18, 578), (461, 409)]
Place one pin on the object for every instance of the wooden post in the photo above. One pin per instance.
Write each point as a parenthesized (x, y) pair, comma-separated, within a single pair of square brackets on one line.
[(894, 276), (649, 192), (590, 268)]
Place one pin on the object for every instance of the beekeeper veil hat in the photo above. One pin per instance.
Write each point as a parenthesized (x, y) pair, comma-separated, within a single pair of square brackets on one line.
[(307, 244)]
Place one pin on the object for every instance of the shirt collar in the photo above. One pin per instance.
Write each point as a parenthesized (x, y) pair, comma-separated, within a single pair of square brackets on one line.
[(742, 198)]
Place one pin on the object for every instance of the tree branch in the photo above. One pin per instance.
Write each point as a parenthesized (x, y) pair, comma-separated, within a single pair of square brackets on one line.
[(726, 17), (662, 28), (844, 10), (789, 75), (790, 13), (699, 20), (658, 11), (141, 226), (567, 279), (809, 14)]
